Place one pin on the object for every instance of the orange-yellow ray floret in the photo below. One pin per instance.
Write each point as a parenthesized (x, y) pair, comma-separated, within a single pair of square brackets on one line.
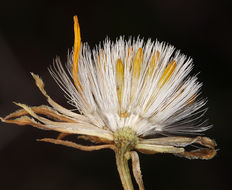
[(127, 61), (120, 79), (77, 45), (136, 70), (167, 73), (137, 63), (153, 62)]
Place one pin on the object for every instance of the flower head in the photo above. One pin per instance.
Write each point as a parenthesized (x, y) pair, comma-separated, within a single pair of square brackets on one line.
[(131, 96)]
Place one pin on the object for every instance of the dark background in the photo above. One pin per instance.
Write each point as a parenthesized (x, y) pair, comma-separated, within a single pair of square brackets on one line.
[(32, 33)]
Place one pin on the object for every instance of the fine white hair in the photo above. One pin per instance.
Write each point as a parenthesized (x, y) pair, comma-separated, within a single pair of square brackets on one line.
[(174, 108)]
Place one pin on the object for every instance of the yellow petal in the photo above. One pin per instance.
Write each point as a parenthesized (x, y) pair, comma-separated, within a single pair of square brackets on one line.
[(137, 63), (153, 62), (77, 45), (120, 79), (167, 73), (136, 70)]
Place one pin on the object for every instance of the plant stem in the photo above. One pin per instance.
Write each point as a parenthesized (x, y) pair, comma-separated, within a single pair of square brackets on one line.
[(123, 169)]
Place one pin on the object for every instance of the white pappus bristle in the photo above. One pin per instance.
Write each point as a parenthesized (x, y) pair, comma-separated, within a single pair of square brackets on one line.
[(137, 84)]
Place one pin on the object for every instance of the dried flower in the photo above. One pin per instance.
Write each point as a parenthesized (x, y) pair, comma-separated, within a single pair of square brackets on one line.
[(131, 96)]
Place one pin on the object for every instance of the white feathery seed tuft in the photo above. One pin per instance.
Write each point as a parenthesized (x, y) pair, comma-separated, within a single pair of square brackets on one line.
[(150, 103)]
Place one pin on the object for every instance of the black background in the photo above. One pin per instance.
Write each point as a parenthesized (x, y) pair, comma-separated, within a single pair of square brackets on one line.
[(32, 33)]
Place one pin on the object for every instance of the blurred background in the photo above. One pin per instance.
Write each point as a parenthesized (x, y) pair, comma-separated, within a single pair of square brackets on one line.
[(32, 33)]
